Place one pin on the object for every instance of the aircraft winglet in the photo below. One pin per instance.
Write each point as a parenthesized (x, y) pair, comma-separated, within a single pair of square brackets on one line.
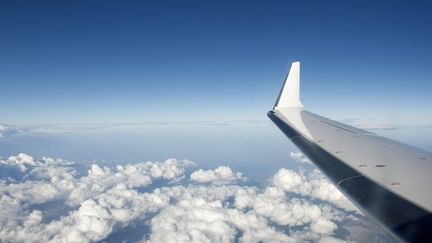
[(289, 96)]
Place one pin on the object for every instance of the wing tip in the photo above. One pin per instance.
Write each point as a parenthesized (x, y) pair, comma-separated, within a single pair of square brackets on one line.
[(289, 95)]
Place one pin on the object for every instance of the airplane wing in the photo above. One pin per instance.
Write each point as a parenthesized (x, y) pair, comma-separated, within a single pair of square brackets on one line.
[(389, 181)]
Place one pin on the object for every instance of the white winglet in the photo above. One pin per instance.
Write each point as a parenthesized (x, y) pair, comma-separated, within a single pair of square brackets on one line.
[(289, 96)]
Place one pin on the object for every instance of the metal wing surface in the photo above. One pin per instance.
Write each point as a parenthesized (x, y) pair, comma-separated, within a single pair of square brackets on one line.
[(389, 181)]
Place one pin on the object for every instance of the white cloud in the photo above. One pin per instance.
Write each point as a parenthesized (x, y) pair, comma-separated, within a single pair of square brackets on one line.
[(21, 161), (107, 199), (312, 184), (298, 156), (222, 175)]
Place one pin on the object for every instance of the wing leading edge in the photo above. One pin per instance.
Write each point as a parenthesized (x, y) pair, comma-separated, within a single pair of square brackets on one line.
[(389, 181)]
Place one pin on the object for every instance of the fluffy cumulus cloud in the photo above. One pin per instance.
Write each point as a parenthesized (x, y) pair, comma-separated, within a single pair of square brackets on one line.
[(49, 200), (219, 176), (298, 156)]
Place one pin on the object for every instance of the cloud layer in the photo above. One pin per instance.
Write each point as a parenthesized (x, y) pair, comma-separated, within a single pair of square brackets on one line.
[(49, 200)]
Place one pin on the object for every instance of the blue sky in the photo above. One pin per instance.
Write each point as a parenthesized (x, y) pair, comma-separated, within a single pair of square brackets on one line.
[(194, 80), (107, 61)]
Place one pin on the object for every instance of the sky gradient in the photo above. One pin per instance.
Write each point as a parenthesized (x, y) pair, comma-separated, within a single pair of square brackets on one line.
[(125, 120), (106, 61)]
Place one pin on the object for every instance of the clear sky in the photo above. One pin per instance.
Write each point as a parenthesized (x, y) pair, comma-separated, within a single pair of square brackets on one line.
[(194, 80), (132, 61)]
